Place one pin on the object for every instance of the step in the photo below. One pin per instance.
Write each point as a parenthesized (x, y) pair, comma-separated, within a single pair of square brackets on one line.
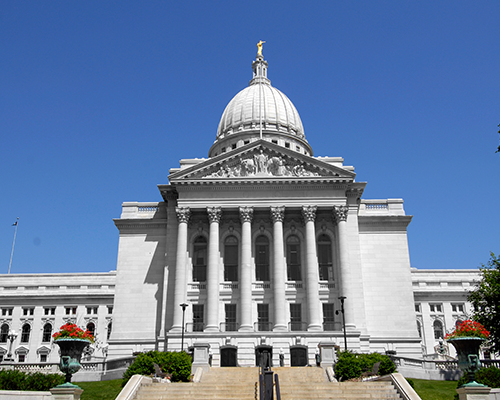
[(296, 383)]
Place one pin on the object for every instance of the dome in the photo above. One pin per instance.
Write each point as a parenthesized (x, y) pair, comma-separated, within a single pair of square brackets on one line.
[(260, 111)]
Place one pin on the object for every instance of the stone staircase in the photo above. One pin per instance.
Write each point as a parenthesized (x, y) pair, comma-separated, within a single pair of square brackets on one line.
[(306, 383)]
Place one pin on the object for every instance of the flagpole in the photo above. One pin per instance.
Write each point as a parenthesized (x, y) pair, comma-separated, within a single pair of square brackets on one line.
[(13, 244)]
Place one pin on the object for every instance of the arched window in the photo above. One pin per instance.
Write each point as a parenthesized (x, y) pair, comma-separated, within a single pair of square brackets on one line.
[(25, 333), (91, 328), (438, 329), (293, 258), (262, 258), (47, 332), (325, 258), (110, 327), (231, 259), (200, 259), (4, 332)]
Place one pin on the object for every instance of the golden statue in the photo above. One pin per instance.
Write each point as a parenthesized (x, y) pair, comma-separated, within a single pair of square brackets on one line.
[(259, 48)]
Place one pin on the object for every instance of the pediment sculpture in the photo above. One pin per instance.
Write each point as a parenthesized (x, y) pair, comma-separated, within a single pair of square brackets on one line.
[(260, 164)]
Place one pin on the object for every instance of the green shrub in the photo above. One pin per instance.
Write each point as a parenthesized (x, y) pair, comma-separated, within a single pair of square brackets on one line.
[(412, 384), (487, 376), (347, 366), (352, 365), (17, 380), (177, 364)]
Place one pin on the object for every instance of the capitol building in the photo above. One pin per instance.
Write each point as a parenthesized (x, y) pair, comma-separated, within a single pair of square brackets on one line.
[(259, 246)]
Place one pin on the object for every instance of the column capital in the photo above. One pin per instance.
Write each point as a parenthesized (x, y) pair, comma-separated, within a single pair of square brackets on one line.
[(278, 213), (183, 214), (309, 213), (214, 214), (340, 213), (246, 214)]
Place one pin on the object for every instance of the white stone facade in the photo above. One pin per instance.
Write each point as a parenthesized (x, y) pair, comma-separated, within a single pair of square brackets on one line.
[(35, 306), (260, 241)]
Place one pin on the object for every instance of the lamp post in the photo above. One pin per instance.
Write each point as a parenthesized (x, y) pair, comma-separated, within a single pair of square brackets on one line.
[(12, 335), (184, 306), (342, 298)]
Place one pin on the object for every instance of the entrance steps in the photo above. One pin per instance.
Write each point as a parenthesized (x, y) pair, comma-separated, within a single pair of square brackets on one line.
[(296, 383)]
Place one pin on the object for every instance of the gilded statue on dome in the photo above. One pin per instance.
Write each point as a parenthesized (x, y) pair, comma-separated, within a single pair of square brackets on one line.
[(259, 48)]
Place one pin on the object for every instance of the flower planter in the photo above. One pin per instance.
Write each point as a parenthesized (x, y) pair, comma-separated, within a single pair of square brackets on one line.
[(71, 355), (468, 356)]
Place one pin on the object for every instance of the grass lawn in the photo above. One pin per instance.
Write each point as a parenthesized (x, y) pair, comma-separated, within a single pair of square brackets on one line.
[(435, 390), (104, 390)]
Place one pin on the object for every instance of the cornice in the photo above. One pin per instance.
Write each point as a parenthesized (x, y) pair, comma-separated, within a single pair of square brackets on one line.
[(150, 223), (383, 223)]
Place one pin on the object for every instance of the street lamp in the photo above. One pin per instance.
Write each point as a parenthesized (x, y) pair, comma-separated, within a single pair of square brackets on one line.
[(342, 298), (184, 306), (12, 335)]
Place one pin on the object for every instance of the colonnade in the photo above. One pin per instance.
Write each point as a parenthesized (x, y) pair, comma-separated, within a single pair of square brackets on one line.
[(245, 277)]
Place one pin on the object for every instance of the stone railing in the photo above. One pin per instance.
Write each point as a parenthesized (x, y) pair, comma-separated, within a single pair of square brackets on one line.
[(381, 207)]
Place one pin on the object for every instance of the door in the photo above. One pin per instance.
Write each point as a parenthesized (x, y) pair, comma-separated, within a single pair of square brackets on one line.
[(298, 357), (228, 357)]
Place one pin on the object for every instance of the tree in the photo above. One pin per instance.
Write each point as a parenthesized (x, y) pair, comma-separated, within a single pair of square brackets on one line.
[(485, 299)]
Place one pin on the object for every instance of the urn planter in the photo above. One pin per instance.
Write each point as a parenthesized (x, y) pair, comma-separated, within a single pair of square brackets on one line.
[(468, 356), (71, 355)]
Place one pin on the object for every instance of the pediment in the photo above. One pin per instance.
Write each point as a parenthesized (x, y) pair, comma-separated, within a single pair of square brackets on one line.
[(261, 160)]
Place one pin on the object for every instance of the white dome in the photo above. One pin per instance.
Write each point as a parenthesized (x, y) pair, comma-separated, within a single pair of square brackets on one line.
[(243, 113), (260, 111)]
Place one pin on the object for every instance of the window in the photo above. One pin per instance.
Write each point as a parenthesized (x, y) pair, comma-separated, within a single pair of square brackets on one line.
[(110, 309), (28, 311), (25, 333), (295, 317), (263, 317), (110, 328), (287, 145), (231, 259), (200, 259), (91, 328), (6, 312), (457, 308), (197, 317), (233, 146), (49, 311), (262, 258), (231, 317), (43, 358), (419, 328), (21, 357), (328, 316), (438, 329), (293, 258), (418, 309), (47, 332), (274, 141), (70, 310), (325, 258), (4, 332), (92, 310), (436, 308)]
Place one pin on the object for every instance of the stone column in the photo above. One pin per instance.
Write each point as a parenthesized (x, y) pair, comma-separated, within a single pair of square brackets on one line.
[(183, 214), (245, 278), (279, 272), (312, 273), (347, 288), (214, 216)]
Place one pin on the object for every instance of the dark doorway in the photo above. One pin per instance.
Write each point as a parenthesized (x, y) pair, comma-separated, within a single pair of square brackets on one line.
[(298, 357), (264, 356), (228, 357)]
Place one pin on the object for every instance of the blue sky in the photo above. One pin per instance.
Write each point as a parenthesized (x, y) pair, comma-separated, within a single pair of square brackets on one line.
[(98, 99)]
